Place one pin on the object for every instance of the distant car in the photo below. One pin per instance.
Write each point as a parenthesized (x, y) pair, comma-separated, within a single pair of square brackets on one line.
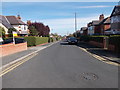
[(72, 40)]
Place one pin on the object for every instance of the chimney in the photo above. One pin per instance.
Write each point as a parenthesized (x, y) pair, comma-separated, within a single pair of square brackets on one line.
[(28, 22), (101, 17), (18, 17)]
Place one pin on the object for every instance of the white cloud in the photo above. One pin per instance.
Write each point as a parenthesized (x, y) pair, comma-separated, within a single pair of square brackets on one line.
[(65, 25), (60, 0), (62, 26), (100, 6)]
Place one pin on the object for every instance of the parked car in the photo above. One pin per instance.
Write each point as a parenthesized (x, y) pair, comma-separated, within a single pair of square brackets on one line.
[(72, 40)]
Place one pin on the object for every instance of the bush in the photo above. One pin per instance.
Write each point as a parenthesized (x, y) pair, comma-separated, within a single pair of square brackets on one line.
[(33, 41), (10, 31), (50, 39), (2, 32), (85, 38)]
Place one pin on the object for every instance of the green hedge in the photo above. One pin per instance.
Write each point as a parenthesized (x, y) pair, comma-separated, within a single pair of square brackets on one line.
[(33, 41), (85, 38)]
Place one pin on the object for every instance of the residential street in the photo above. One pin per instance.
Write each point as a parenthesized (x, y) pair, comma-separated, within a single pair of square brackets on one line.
[(62, 66)]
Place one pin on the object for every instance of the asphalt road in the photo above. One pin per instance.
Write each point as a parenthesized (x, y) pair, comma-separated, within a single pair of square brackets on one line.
[(62, 66)]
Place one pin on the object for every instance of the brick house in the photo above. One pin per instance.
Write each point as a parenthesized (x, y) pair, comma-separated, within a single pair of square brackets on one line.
[(98, 27), (84, 31), (93, 27), (104, 26), (115, 20)]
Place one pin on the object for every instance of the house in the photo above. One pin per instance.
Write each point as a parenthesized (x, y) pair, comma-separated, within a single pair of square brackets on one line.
[(4, 23), (14, 22), (115, 20), (93, 27), (98, 27), (18, 24), (84, 31), (104, 26)]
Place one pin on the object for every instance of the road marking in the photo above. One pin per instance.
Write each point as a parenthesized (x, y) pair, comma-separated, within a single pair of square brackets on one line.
[(100, 58), (12, 65), (10, 68)]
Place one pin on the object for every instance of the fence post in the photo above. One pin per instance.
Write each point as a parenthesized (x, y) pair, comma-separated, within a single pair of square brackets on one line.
[(106, 42)]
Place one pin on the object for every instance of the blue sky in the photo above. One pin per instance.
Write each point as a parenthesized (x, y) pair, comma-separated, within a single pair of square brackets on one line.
[(59, 15)]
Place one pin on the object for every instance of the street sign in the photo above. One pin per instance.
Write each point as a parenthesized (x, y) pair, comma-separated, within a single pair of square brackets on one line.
[(14, 34)]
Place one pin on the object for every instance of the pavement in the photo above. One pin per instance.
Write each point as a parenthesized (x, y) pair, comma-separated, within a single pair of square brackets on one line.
[(9, 58), (61, 66), (108, 55)]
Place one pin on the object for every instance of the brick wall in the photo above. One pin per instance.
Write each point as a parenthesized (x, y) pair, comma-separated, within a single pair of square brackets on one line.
[(110, 47), (96, 44), (11, 48)]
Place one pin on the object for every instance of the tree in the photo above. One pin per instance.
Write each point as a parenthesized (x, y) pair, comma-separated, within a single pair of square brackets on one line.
[(41, 28), (10, 31), (33, 31), (2, 32)]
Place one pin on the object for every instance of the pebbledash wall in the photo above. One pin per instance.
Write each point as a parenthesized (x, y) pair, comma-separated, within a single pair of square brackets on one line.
[(11, 48)]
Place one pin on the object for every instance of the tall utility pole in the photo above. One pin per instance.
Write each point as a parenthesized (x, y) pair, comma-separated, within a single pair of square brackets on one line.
[(75, 23)]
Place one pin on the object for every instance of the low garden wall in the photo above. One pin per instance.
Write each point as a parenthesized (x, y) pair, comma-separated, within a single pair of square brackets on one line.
[(11, 48), (99, 41)]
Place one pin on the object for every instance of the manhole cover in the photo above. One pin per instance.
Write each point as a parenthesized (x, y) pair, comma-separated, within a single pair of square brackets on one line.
[(89, 76)]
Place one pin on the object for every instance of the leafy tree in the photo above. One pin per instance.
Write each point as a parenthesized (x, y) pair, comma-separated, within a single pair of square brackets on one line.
[(10, 30), (2, 32), (33, 31), (41, 28)]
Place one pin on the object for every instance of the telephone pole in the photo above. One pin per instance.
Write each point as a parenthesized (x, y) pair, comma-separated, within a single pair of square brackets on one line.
[(75, 24)]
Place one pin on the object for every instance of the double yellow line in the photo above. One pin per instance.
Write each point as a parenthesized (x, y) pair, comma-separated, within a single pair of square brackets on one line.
[(100, 58), (9, 68)]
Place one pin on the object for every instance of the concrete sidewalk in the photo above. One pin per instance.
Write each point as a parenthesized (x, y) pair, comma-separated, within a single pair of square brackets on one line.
[(109, 55), (12, 57)]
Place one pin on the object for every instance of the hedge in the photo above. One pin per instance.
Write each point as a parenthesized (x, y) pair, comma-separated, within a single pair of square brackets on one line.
[(33, 41)]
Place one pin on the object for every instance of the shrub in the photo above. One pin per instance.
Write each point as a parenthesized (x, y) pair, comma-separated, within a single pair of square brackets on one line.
[(50, 39), (10, 31), (33, 31), (85, 38), (33, 41), (2, 32)]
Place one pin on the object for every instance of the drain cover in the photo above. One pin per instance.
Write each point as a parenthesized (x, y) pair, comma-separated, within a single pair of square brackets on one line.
[(89, 76)]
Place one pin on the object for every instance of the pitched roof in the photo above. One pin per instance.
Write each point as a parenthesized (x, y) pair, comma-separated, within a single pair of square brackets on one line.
[(83, 28), (95, 22), (5, 22), (107, 21), (14, 20), (116, 11)]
